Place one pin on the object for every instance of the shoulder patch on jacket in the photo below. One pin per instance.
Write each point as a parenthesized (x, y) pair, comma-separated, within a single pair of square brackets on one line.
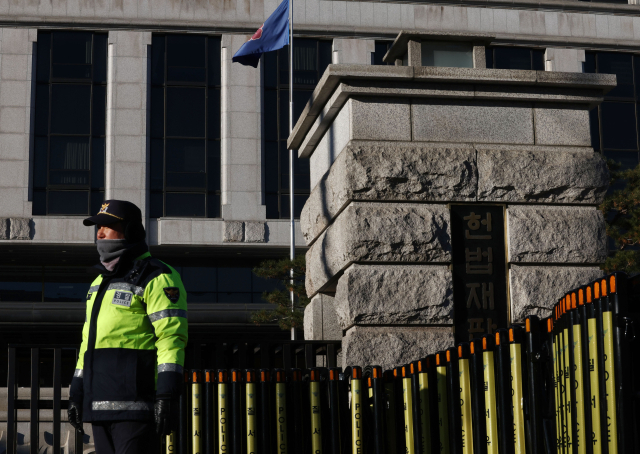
[(173, 293)]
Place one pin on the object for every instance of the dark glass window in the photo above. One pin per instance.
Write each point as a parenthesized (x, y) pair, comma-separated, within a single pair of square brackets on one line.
[(381, 49), (310, 58), (614, 124), (44, 284), (515, 58), (224, 285), (70, 103), (185, 126)]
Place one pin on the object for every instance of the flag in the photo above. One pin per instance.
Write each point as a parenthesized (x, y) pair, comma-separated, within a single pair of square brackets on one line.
[(273, 35)]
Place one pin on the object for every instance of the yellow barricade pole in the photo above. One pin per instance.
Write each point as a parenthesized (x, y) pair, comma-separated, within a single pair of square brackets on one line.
[(610, 373), (578, 370), (222, 413), (407, 398), (281, 412), (356, 410), (316, 415), (250, 404), (595, 437), (517, 379), (465, 399), (443, 408), (423, 397), (490, 400), (196, 430)]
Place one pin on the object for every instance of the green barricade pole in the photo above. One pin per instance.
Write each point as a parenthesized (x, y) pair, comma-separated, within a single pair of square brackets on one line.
[(476, 371), (236, 412), (424, 404), (535, 380), (517, 389), (453, 397), (551, 410), (250, 401), (503, 388), (378, 407), (334, 411), (407, 405), (196, 429), (316, 412), (466, 423), (583, 332), (443, 407), (577, 370), (389, 412), (264, 423), (357, 409), (610, 372), (345, 411), (222, 415), (208, 424), (490, 397), (281, 412)]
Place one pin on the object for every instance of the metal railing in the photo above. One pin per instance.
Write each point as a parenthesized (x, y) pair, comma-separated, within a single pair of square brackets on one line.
[(216, 355)]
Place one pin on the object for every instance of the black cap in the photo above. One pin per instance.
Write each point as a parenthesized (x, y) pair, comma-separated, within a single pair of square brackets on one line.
[(113, 211)]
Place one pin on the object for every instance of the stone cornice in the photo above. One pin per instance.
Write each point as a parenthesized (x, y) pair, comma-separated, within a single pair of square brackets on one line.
[(340, 82)]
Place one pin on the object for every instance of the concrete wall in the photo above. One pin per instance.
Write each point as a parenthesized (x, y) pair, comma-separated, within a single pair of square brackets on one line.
[(16, 112)]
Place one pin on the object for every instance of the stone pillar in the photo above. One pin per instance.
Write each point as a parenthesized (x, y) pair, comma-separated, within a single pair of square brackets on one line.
[(127, 143), (564, 60), (392, 147), (353, 51), (241, 141), (17, 68)]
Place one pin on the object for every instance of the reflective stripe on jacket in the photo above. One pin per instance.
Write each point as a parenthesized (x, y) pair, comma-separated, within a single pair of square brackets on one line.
[(133, 341)]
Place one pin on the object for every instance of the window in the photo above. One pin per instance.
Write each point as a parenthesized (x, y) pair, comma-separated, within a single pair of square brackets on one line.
[(70, 103), (515, 58), (452, 55), (310, 58), (44, 284), (381, 49), (185, 126), (614, 124), (225, 285)]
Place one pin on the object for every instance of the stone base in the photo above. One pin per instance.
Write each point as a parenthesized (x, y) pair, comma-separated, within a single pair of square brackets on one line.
[(535, 289), (389, 347), (395, 295), (378, 232)]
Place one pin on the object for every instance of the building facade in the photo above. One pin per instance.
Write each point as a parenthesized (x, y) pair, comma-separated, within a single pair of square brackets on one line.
[(139, 100)]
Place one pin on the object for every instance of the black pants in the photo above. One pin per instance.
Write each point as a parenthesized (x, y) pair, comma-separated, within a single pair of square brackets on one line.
[(126, 437)]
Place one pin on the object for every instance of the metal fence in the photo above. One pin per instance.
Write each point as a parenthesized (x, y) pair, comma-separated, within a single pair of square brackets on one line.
[(31, 366)]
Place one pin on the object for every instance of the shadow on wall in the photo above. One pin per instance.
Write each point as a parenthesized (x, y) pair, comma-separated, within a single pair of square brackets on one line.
[(23, 442)]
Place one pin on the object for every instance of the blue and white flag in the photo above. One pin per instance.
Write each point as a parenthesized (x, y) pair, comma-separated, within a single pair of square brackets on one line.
[(273, 35)]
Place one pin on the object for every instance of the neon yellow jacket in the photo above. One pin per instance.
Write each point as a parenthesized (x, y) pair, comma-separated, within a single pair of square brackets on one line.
[(133, 340)]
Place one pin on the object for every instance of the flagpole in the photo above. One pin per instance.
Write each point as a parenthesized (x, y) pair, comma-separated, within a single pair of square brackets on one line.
[(292, 247)]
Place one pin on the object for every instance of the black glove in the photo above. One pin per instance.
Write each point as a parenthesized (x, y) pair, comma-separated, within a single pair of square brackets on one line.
[(162, 412), (75, 415)]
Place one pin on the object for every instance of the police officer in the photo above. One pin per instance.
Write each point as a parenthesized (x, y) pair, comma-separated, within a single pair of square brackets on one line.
[(129, 370)]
